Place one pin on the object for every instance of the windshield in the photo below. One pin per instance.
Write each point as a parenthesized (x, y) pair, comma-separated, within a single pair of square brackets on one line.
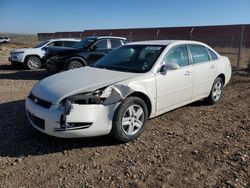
[(84, 43), (131, 58), (41, 44)]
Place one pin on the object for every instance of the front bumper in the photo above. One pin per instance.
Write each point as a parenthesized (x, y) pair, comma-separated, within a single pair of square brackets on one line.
[(16, 58), (55, 65), (96, 118), (51, 65)]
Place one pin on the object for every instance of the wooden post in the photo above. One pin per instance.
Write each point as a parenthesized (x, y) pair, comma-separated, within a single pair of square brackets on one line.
[(157, 34), (130, 36), (241, 42), (190, 34)]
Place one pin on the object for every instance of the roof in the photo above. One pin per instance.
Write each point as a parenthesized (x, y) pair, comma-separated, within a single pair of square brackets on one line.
[(109, 37), (65, 39), (164, 42)]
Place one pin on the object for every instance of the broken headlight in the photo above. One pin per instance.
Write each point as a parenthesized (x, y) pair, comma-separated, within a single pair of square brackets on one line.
[(94, 97)]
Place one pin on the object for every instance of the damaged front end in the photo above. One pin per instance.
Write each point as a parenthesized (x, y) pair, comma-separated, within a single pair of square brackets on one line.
[(71, 106)]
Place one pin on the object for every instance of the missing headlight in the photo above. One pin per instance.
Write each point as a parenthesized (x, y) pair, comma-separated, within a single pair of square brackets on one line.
[(86, 99)]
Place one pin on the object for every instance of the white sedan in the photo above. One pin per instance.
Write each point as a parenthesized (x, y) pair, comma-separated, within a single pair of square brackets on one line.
[(125, 88)]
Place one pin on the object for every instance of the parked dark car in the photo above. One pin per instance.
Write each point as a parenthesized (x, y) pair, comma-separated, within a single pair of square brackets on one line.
[(86, 52)]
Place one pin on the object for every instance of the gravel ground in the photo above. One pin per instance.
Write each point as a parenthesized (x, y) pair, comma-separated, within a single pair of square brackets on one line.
[(193, 146)]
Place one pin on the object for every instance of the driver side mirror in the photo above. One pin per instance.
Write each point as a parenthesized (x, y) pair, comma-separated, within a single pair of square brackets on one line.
[(169, 66)]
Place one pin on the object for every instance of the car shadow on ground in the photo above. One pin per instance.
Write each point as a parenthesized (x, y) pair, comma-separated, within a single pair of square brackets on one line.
[(19, 139), (10, 67), (19, 73)]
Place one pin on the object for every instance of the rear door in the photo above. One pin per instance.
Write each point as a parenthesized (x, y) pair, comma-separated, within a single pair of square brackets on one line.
[(204, 71), (174, 88)]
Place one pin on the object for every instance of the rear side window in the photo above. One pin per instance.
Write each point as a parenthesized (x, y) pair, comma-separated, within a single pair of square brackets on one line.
[(212, 55), (199, 53), (115, 43)]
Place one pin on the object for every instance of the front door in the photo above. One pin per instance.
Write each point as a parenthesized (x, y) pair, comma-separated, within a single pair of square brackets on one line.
[(174, 88), (101, 47)]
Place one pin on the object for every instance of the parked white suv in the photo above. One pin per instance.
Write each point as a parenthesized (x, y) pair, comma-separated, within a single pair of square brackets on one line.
[(32, 57), (123, 89)]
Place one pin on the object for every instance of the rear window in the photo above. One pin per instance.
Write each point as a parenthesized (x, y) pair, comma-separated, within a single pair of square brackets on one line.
[(199, 53)]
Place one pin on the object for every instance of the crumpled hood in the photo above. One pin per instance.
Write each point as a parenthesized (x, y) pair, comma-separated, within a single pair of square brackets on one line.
[(59, 86)]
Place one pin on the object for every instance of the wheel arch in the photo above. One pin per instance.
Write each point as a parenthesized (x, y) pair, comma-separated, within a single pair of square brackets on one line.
[(223, 77), (30, 55), (77, 58), (145, 98)]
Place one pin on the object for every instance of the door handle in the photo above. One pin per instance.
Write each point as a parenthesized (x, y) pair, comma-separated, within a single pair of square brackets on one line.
[(187, 73), (212, 67)]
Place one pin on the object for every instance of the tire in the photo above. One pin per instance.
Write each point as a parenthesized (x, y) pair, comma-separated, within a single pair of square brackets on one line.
[(127, 125), (74, 64), (216, 92), (33, 63)]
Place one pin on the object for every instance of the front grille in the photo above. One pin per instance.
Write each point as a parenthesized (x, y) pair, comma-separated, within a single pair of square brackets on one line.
[(37, 121), (39, 101)]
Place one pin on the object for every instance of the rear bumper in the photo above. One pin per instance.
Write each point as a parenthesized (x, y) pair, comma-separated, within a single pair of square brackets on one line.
[(87, 120)]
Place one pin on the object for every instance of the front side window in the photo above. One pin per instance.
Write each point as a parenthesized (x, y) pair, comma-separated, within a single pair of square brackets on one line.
[(131, 58), (101, 44), (177, 55), (58, 43), (85, 43), (199, 53)]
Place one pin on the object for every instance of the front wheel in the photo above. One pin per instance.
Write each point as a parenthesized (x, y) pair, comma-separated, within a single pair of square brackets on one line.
[(130, 119), (216, 91), (33, 63)]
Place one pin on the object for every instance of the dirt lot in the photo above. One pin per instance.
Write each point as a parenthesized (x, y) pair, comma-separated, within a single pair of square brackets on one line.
[(193, 146)]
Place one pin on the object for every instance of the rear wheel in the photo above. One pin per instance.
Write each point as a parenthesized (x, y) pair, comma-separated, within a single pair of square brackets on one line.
[(130, 119), (74, 64), (33, 63), (216, 91)]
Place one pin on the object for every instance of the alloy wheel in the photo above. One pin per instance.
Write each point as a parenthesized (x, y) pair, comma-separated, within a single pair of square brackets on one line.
[(133, 120), (217, 91)]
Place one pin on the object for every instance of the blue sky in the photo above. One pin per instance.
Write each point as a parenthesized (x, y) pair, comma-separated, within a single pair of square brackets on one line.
[(32, 16)]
